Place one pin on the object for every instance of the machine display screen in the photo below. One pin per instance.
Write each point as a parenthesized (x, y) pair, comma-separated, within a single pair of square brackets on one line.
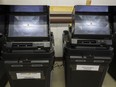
[(27, 8), (87, 24), (28, 26)]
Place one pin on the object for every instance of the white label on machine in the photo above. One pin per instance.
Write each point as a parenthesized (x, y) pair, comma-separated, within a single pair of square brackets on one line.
[(28, 75), (74, 41), (87, 67), (46, 44)]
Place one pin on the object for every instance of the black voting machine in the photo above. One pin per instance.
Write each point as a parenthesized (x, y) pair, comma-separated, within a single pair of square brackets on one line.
[(28, 52), (88, 47), (112, 68), (3, 73), (26, 45)]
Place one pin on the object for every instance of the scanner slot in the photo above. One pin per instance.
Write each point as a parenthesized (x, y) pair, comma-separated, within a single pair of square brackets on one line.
[(21, 45), (86, 41)]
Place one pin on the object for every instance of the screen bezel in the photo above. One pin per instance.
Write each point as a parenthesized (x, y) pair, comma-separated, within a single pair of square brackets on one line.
[(27, 36), (101, 9), (91, 35), (28, 14), (45, 9)]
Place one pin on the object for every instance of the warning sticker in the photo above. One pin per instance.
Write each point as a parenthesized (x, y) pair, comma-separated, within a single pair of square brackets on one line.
[(28, 75), (87, 67)]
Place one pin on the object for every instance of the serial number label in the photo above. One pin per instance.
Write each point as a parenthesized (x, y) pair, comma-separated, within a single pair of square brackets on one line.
[(87, 67), (28, 75)]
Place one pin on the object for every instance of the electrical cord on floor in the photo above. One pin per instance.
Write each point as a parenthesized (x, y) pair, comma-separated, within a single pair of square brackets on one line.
[(58, 65)]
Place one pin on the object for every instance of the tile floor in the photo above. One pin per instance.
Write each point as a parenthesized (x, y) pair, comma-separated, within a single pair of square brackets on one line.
[(58, 78)]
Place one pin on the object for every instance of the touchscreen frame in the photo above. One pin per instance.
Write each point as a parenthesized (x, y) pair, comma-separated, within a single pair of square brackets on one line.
[(45, 12), (22, 25), (92, 13), (90, 22)]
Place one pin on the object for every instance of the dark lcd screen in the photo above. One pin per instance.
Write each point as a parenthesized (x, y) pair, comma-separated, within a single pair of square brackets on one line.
[(88, 24), (2, 8), (114, 23), (27, 9), (91, 8), (28, 26), (2, 24)]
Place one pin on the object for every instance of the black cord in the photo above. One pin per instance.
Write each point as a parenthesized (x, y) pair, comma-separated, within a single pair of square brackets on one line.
[(58, 65)]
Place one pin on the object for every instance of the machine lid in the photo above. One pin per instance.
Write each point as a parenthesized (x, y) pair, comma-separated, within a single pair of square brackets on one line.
[(2, 24), (83, 8), (27, 8)]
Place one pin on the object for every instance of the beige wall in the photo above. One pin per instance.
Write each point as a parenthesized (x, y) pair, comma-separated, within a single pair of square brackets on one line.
[(57, 30), (57, 2)]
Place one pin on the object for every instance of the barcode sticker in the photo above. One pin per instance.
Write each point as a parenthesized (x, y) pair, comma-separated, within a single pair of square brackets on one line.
[(46, 44), (28, 75), (74, 41), (87, 67)]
